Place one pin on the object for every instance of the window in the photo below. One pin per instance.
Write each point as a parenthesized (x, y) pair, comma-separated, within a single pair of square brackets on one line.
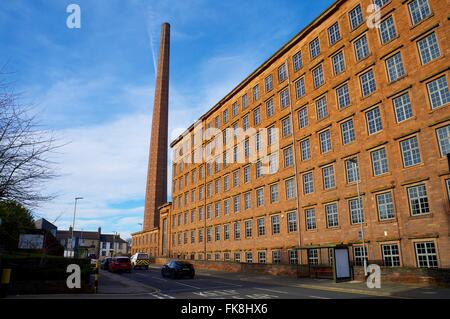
[(288, 158), (348, 132), (217, 231), (438, 92), (260, 197), (247, 174), (209, 234), (209, 211), (247, 147), (247, 200), (325, 141), (273, 163), (443, 135), (418, 200), (225, 116), (269, 107), (261, 257), (258, 169), (237, 204), (268, 83), (256, 93), (235, 109), (359, 254), (410, 152), (276, 256), (286, 126), (308, 183), (367, 81), (387, 30), (310, 214), (313, 256), (200, 213), (356, 211), (293, 257), (226, 183), (300, 88), (321, 108), (356, 17), (245, 123), (236, 178), (305, 149), (391, 255), (385, 206), (333, 33), (379, 162), (381, 3), (314, 48), (318, 76), (419, 10), (331, 212), (361, 48), (395, 67), (226, 206), (297, 60), (352, 170), (343, 96), (282, 74), (402, 107), (248, 228), (338, 63), (284, 99), (373, 118), (237, 257), (290, 188), (200, 235), (271, 135), (217, 185), (237, 231), (328, 177), (217, 209), (226, 231), (261, 226), (303, 117), (428, 48), (248, 257), (257, 116), (292, 221), (275, 224), (426, 255), (273, 193)]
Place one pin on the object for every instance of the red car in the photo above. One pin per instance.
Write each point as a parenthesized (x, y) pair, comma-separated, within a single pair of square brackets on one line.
[(120, 264)]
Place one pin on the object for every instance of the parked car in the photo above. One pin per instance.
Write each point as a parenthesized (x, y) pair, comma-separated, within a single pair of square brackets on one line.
[(105, 263), (140, 260), (120, 264), (178, 269)]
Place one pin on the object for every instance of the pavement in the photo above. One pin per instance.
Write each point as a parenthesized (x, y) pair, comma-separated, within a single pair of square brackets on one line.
[(148, 284)]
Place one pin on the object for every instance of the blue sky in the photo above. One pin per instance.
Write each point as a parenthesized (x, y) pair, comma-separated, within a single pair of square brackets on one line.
[(93, 87)]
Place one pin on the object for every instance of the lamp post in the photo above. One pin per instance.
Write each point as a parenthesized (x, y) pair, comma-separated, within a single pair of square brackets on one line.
[(354, 162), (73, 225), (142, 227)]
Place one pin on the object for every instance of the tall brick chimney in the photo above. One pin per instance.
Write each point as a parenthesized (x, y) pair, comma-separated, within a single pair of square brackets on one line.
[(156, 193)]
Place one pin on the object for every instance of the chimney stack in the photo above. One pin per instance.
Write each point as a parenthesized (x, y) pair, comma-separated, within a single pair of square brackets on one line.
[(156, 192)]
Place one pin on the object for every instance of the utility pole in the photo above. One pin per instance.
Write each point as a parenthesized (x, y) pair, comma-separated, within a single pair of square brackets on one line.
[(73, 226)]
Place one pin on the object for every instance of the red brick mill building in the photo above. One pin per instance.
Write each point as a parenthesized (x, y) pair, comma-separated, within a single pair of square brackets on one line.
[(355, 106)]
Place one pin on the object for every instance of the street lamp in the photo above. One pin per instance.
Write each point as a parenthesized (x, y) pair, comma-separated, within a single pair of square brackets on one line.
[(142, 227), (354, 161), (73, 224)]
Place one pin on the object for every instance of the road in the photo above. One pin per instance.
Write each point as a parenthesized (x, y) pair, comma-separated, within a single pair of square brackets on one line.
[(150, 284)]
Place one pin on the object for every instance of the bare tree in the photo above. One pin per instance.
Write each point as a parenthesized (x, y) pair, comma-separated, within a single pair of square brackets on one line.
[(24, 151)]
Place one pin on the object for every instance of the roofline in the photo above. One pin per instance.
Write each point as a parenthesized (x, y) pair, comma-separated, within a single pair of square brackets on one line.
[(306, 30)]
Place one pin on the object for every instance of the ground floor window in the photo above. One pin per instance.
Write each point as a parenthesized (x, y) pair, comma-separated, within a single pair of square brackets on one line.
[(217, 257), (262, 257), (248, 257), (208, 256), (359, 254), (237, 257), (331, 256), (293, 257), (447, 182), (391, 255), (426, 255), (313, 256), (276, 256), (226, 256)]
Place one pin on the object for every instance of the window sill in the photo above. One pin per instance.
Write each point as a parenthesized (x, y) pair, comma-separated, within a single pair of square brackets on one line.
[(387, 221), (398, 80), (422, 216), (422, 21), (437, 109), (391, 40)]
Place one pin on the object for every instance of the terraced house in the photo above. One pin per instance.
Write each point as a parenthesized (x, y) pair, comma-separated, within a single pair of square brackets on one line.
[(360, 102)]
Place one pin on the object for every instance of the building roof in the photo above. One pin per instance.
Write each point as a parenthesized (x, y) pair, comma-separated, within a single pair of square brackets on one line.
[(111, 238), (44, 224), (285, 48), (65, 234)]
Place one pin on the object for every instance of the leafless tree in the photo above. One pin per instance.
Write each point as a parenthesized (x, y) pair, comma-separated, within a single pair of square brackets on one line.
[(24, 151)]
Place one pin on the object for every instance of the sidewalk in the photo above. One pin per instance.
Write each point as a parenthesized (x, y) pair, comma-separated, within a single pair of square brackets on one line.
[(387, 290)]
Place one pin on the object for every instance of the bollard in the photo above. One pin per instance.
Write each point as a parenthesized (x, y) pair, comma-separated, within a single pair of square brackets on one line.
[(4, 283), (97, 266)]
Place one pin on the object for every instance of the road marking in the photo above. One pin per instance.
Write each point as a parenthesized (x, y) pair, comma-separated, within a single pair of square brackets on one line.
[(318, 297), (160, 295), (180, 283), (272, 290), (224, 283)]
